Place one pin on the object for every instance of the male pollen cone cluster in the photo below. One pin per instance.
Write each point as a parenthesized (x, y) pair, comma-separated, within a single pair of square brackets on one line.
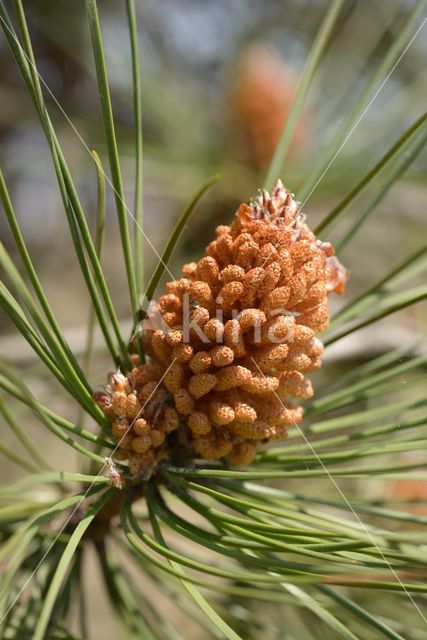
[(235, 340)]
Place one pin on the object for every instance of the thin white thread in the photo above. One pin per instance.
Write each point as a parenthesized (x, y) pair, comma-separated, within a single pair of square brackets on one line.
[(83, 498), (157, 254), (86, 147), (166, 268), (343, 496), (350, 133), (368, 106)]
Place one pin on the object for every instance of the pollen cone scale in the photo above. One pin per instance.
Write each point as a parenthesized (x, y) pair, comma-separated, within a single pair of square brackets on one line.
[(230, 343)]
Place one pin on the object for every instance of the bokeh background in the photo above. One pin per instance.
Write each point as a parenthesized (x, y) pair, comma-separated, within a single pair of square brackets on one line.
[(218, 80)]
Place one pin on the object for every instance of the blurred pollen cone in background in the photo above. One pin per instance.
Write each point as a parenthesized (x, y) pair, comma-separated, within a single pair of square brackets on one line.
[(411, 490), (261, 100)]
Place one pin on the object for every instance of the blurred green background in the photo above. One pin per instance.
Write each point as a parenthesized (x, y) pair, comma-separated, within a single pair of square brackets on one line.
[(218, 79)]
